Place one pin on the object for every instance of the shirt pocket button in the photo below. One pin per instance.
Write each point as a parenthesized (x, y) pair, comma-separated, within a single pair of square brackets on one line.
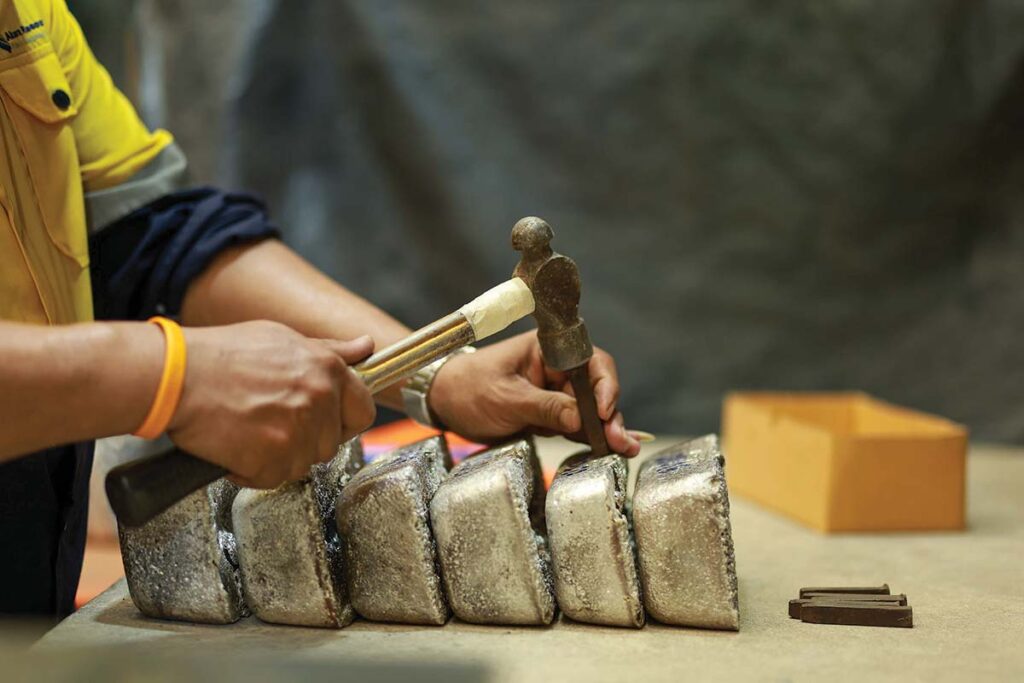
[(61, 99)]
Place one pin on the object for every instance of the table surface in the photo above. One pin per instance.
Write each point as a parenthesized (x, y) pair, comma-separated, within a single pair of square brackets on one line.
[(967, 591)]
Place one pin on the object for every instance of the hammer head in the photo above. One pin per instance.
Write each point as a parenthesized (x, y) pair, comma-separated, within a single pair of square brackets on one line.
[(554, 280), (532, 236)]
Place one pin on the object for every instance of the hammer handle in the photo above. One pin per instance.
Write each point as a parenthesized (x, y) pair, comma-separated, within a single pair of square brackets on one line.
[(141, 489)]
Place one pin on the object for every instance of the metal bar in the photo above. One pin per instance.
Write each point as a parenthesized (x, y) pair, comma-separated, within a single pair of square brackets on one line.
[(864, 590), (796, 605), (857, 614)]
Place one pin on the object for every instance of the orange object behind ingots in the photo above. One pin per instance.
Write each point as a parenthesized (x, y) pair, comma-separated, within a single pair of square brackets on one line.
[(845, 461)]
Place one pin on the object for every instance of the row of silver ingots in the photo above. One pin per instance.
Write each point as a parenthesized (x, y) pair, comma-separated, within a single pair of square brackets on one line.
[(410, 539)]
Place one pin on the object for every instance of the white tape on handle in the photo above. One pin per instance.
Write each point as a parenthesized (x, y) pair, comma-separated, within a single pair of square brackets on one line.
[(499, 307)]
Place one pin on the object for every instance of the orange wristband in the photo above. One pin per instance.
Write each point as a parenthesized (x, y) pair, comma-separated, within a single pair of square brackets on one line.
[(171, 382)]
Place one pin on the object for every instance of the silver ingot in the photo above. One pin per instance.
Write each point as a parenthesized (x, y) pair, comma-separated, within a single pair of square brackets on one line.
[(383, 521), (288, 547), (592, 551), (494, 562), (684, 538), (181, 564)]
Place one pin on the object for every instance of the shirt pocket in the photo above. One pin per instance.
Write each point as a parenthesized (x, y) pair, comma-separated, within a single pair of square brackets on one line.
[(39, 103)]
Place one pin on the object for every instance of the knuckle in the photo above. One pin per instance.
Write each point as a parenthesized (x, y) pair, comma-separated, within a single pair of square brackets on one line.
[(249, 468), (305, 394), (320, 377), (300, 404), (299, 470), (358, 417), (276, 440), (323, 357), (552, 409), (264, 482), (370, 416), (326, 452), (358, 422), (264, 477), (318, 389), (352, 430), (336, 369), (356, 392)]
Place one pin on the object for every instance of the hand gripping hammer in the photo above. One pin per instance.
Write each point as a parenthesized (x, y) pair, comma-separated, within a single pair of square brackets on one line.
[(141, 489)]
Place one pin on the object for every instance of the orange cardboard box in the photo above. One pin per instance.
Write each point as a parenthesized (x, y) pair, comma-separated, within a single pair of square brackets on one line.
[(845, 461)]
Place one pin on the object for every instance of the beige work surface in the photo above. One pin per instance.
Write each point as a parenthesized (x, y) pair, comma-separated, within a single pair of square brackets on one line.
[(967, 591)]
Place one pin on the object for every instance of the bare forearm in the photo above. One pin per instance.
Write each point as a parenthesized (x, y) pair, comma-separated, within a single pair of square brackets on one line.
[(76, 382), (269, 281)]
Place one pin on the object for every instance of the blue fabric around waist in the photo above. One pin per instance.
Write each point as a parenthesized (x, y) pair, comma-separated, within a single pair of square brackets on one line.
[(44, 505)]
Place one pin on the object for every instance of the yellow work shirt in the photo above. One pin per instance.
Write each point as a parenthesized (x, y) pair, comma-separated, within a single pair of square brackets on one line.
[(65, 129)]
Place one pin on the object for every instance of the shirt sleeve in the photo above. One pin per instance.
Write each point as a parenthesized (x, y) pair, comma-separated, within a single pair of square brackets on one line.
[(166, 173), (113, 142), (144, 263)]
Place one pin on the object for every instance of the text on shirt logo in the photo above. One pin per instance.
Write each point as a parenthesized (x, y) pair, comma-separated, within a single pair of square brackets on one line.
[(7, 40)]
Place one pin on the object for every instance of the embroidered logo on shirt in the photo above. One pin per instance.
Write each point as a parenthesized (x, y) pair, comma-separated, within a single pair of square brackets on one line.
[(19, 37)]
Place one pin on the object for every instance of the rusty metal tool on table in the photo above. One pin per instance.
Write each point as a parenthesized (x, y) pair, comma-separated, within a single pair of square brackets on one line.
[(141, 489), (564, 342)]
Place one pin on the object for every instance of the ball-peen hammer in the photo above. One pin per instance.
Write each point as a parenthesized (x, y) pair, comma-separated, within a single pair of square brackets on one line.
[(564, 342)]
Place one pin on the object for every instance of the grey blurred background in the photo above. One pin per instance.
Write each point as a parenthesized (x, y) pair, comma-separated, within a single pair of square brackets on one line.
[(780, 195)]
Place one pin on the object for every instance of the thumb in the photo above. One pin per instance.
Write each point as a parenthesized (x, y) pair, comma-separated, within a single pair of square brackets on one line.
[(351, 350), (551, 410)]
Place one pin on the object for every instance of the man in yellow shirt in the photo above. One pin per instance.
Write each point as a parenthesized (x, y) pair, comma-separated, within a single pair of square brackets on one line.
[(94, 225)]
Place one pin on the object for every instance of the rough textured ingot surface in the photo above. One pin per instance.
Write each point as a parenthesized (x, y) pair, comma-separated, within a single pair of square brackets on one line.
[(288, 546), (384, 523), (684, 538), (494, 563), (182, 564), (592, 553)]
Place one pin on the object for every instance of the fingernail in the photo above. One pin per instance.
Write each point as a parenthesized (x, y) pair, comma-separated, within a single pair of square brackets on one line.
[(640, 436)]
